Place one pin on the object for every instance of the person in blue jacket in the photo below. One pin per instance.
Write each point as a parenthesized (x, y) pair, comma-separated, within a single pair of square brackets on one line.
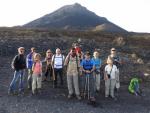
[(88, 67), (98, 63), (29, 64)]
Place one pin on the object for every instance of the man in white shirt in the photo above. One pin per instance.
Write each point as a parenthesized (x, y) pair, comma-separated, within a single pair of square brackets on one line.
[(57, 65)]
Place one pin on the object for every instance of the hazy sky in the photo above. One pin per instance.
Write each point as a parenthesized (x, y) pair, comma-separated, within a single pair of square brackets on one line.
[(132, 15)]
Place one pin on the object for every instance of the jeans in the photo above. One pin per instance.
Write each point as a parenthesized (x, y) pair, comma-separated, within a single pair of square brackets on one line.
[(17, 75)]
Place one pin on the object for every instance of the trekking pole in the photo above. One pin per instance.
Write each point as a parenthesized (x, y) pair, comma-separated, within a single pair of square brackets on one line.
[(85, 86), (53, 76), (88, 80)]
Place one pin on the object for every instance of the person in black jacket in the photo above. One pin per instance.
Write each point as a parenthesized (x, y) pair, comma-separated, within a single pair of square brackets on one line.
[(19, 65)]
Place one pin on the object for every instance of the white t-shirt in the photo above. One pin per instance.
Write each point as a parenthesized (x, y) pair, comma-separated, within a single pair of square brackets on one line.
[(58, 61), (113, 72)]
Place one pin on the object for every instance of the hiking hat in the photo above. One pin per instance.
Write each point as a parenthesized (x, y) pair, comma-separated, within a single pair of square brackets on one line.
[(113, 49), (87, 53), (20, 49)]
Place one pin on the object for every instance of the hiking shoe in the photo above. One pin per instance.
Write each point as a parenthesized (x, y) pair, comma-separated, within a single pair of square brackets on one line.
[(70, 96), (114, 98), (78, 97), (39, 91), (106, 96), (97, 91), (55, 86), (92, 103), (29, 88)]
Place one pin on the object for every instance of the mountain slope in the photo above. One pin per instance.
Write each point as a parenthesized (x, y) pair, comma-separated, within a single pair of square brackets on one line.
[(70, 17)]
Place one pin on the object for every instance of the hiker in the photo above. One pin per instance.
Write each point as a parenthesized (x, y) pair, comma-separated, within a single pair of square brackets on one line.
[(78, 51), (57, 65), (37, 74), (98, 63), (110, 78), (117, 62), (72, 62), (88, 66), (29, 63), (48, 60), (19, 65), (134, 87)]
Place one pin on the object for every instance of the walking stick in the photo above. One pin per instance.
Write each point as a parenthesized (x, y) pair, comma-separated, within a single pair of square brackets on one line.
[(53, 76), (85, 86), (88, 86)]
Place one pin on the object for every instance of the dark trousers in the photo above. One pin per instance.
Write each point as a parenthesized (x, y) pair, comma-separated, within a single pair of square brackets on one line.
[(48, 71), (60, 73)]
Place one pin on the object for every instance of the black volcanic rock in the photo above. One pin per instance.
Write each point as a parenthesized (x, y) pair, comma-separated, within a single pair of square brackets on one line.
[(71, 17)]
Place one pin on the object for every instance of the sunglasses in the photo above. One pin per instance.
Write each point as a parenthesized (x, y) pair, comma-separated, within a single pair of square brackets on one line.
[(113, 50)]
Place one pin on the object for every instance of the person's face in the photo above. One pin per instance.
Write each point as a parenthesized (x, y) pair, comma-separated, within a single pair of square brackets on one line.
[(48, 53), (37, 58), (109, 61), (73, 51), (58, 51), (33, 50), (87, 56), (96, 55), (113, 51), (21, 51)]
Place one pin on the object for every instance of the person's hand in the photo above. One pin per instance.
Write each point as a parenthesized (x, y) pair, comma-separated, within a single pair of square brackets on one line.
[(13, 67), (39, 75), (87, 71), (65, 67), (105, 77)]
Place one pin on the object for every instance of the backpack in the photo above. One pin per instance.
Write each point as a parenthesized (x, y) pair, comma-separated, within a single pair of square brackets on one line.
[(53, 62)]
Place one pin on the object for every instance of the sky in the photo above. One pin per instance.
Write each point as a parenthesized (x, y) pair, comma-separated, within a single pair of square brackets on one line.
[(132, 15)]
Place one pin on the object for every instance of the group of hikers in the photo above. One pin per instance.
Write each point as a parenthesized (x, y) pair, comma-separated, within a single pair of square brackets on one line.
[(84, 72)]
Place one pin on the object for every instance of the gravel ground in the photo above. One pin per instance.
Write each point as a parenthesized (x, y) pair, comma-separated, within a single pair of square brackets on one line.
[(55, 100)]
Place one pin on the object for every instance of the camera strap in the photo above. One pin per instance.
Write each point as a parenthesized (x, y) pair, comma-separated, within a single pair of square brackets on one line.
[(111, 70)]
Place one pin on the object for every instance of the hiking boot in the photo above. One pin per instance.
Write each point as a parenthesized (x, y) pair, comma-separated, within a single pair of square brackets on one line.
[(70, 96), (78, 97), (39, 91), (114, 98), (82, 94), (106, 96), (34, 92), (92, 102), (55, 86), (44, 80), (29, 88), (10, 92), (97, 91)]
